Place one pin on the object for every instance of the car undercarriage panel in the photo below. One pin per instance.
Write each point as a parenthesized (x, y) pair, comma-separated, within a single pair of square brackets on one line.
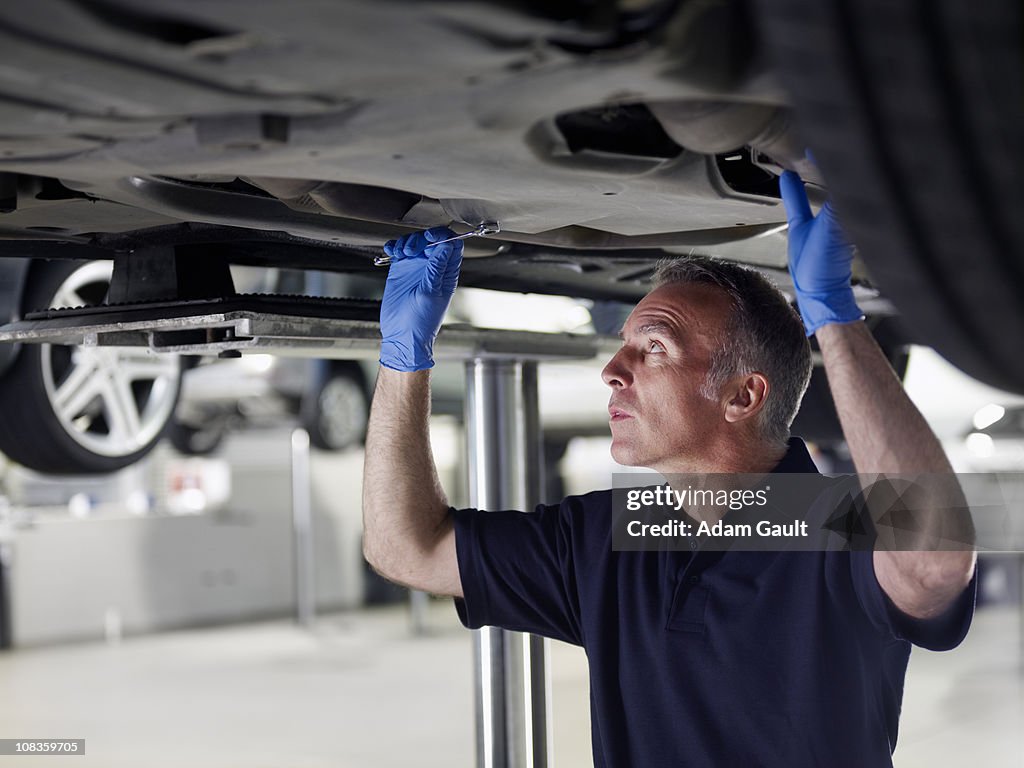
[(345, 124)]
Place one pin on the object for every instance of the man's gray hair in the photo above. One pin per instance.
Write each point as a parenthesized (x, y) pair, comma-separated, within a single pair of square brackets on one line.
[(764, 333)]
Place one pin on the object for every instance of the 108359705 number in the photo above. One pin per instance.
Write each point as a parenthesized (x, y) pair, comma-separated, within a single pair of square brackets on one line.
[(46, 746), (42, 746)]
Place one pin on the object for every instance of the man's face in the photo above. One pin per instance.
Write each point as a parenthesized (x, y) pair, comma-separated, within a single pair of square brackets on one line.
[(659, 418)]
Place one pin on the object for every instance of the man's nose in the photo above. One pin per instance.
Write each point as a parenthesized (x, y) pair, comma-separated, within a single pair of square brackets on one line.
[(616, 373)]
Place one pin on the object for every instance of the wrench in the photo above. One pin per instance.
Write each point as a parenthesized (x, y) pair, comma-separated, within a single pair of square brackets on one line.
[(481, 230)]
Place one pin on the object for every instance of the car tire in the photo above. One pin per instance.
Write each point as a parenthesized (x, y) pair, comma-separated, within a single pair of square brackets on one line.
[(336, 411), (915, 114), (77, 409)]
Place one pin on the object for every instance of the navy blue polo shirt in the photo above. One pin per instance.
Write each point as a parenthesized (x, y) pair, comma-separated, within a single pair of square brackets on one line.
[(700, 658)]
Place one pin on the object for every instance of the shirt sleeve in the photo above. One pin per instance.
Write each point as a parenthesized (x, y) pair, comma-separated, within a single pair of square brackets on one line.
[(939, 633), (517, 571)]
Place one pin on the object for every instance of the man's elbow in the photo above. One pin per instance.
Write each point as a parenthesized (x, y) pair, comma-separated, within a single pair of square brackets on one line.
[(380, 540), (371, 552), (924, 584), (945, 581), (409, 560), (948, 573), (382, 556)]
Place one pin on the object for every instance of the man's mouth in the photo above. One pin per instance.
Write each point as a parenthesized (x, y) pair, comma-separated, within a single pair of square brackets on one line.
[(617, 414)]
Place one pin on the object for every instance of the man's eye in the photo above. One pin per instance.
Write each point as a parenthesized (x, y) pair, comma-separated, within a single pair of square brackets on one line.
[(655, 346)]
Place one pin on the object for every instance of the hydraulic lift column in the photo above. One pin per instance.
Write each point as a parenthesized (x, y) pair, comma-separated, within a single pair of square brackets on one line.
[(505, 472)]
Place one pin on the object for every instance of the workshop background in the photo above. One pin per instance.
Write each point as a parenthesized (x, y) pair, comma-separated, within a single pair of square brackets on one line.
[(155, 612), (193, 200)]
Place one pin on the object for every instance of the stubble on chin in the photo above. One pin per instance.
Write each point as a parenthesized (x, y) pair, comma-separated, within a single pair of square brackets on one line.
[(625, 455)]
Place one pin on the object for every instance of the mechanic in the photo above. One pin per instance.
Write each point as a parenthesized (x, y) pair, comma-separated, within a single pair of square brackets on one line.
[(697, 658)]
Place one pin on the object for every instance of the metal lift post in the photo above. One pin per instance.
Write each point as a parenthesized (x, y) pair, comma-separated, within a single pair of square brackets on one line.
[(505, 472)]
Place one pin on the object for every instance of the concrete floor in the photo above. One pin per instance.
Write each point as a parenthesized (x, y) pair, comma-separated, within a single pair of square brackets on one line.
[(359, 691)]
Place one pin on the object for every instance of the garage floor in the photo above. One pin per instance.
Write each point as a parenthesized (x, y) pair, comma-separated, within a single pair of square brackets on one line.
[(360, 691)]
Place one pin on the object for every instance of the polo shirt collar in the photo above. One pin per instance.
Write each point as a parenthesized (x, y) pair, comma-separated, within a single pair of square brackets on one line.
[(796, 460)]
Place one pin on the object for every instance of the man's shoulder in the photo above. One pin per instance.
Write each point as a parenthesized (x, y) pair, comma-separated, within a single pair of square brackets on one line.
[(585, 519), (593, 501)]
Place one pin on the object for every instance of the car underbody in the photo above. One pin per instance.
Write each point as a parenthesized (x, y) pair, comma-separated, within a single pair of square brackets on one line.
[(319, 130)]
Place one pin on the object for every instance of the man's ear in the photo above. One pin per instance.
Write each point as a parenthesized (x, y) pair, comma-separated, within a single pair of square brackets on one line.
[(745, 396)]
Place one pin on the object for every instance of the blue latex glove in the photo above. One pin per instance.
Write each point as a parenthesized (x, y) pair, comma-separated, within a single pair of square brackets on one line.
[(820, 260), (421, 281)]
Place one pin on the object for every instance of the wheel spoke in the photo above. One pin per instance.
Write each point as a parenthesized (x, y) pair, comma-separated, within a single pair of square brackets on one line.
[(80, 388), (122, 411)]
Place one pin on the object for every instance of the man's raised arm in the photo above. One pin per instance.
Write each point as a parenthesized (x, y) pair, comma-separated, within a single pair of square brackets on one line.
[(407, 531), (883, 429)]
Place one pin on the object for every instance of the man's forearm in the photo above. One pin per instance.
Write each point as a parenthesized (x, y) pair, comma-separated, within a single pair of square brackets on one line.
[(883, 428), (887, 434), (405, 512)]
